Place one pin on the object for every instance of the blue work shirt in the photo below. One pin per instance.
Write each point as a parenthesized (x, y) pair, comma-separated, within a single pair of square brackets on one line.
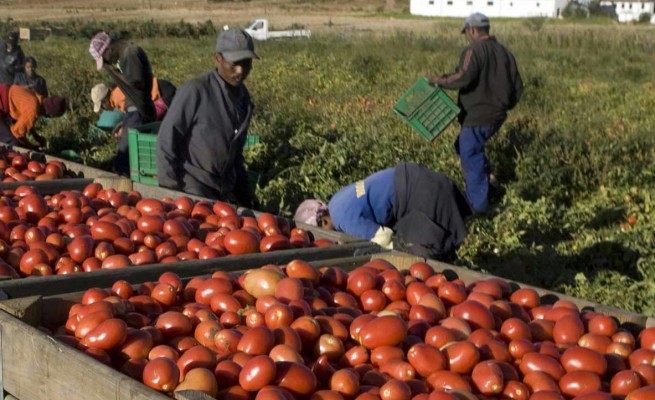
[(359, 209)]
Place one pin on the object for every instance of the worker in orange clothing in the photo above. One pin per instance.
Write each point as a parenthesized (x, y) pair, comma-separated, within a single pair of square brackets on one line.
[(20, 107), (104, 99)]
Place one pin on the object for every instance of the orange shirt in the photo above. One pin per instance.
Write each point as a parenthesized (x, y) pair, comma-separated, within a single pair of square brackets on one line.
[(117, 98), (24, 109)]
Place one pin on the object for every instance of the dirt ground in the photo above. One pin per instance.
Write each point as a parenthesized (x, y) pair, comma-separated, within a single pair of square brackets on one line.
[(320, 16)]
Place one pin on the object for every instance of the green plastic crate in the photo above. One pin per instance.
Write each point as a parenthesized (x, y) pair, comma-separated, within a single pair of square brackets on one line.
[(142, 143), (426, 108)]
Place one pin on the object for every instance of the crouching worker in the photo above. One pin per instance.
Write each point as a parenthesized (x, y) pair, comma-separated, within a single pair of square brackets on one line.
[(409, 205), (20, 107)]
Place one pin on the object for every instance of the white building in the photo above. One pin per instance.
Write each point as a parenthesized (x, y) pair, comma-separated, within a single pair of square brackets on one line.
[(629, 11), (491, 8)]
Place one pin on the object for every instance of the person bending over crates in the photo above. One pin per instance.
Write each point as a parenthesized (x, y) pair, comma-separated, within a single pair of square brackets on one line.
[(134, 77), (20, 107), (110, 104), (489, 85), (407, 207), (200, 142)]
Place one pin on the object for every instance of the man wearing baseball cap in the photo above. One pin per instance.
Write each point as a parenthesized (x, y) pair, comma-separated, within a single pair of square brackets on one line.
[(489, 85), (200, 142), (134, 77)]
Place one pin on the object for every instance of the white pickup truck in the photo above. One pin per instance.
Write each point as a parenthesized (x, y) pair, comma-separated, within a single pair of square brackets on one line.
[(258, 29)]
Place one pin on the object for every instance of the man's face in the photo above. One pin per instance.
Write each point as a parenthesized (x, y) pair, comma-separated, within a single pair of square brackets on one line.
[(29, 68), (234, 73), (110, 56), (470, 34)]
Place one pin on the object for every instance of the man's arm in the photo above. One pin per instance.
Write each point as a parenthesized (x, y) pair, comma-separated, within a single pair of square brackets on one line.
[(466, 73), (177, 124), (518, 82)]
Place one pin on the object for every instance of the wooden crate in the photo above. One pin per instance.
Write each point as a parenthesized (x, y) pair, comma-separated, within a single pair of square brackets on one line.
[(35, 366), (629, 320)]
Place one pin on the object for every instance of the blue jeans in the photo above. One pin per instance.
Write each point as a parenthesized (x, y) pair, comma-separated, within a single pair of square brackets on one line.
[(475, 165)]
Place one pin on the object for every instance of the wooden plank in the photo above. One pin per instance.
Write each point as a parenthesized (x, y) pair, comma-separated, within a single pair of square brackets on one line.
[(118, 183), (192, 395), (50, 187), (55, 284), (37, 367)]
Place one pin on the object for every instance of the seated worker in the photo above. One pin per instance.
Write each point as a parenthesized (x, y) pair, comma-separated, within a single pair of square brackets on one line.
[(31, 79), (424, 208), (20, 107)]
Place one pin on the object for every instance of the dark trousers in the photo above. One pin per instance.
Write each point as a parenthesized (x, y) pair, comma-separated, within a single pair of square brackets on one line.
[(475, 165), (5, 134), (131, 119)]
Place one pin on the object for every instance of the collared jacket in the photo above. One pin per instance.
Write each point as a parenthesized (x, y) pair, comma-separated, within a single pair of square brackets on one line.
[(488, 81), (201, 139), (11, 63)]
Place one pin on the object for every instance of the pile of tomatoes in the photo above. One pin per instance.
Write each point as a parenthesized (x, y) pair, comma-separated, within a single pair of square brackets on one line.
[(18, 167), (374, 333), (98, 228)]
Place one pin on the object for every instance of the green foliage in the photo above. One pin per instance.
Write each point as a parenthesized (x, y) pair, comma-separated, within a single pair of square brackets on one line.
[(574, 159), (644, 18)]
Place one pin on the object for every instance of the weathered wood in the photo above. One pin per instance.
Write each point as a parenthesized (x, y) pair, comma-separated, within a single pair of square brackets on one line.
[(54, 284), (192, 395), (37, 367), (50, 187), (27, 309), (115, 182)]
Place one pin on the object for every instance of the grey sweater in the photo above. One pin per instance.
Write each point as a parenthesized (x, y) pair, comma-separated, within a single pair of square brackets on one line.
[(200, 142)]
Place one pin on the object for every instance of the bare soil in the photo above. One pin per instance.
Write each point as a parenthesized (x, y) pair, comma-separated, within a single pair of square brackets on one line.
[(334, 16)]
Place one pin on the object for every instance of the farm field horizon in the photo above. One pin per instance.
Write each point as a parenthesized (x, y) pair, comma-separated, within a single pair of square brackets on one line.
[(574, 209)]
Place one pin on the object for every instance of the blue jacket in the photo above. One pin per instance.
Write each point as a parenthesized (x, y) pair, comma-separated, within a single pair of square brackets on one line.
[(362, 207)]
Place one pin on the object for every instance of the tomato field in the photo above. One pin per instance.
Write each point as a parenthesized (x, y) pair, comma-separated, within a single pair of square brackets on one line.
[(574, 208)]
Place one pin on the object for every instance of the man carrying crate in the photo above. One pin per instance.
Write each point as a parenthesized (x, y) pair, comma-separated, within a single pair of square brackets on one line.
[(406, 207), (200, 142), (489, 85)]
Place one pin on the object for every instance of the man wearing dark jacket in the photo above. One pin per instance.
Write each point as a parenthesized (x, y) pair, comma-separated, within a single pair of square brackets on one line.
[(134, 77), (424, 209), (489, 85), (200, 141)]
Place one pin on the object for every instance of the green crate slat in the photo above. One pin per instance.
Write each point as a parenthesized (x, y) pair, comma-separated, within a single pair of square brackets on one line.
[(142, 142), (427, 109)]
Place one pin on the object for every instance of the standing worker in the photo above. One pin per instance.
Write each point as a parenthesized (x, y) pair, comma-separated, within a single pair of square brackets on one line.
[(134, 77), (20, 107), (200, 142), (423, 208), (12, 58), (489, 85)]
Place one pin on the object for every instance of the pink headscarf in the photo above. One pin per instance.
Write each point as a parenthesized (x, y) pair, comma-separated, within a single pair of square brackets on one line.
[(310, 212)]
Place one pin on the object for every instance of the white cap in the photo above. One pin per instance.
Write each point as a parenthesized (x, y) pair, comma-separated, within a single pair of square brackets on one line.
[(98, 94)]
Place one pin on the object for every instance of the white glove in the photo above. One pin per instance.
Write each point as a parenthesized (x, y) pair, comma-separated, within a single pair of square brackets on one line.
[(383, 238)]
